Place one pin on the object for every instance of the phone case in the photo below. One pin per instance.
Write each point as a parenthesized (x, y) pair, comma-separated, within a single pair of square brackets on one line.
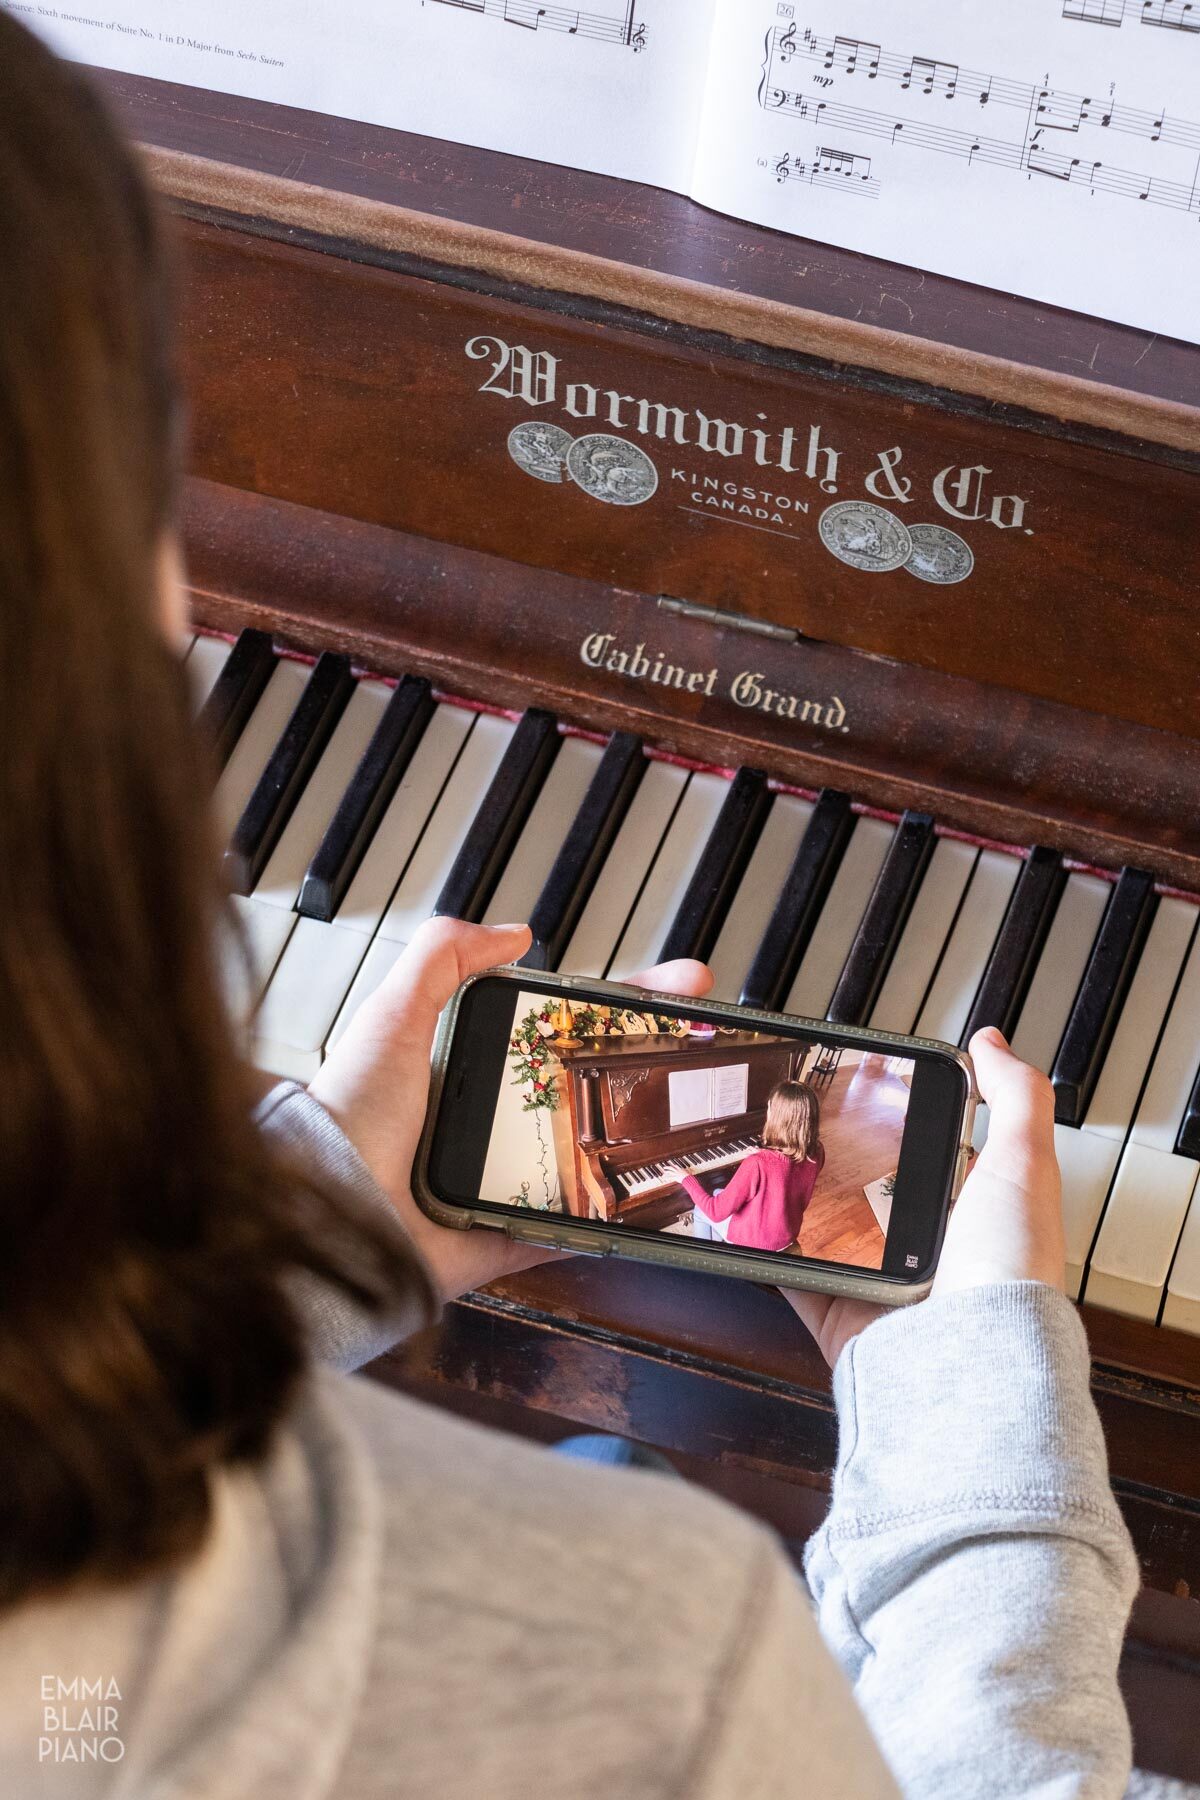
[(558, 1232)]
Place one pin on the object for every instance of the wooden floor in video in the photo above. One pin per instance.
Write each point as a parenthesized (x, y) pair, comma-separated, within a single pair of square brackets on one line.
[(862, 1114)]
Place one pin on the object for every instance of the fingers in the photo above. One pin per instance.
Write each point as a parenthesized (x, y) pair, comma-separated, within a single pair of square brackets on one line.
[(1021, 1098), (442, 954), (684, 976), (1007, 1225)]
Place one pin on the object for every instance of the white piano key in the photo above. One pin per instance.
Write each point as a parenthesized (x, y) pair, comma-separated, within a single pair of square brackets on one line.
[(755, 899), (207, 658), (267, 914), (840, 918), (1164, 1102), (550, 820), (1142, 1226), (422, 881), (321, 960), (1089, 1157), (924, 936), (667, 881), (948, 1003), (1060, 970), (633, 852), (266, 930), (262, 732), (433, 858), (1142, 1015), (279, 884), (1181, 1310), (1088, 1161), (979, 1130)]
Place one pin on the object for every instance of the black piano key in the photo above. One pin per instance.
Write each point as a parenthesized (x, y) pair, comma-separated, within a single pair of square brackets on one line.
[(367, 798), (236, 692), (886, 915), (289, 766), (1111, 967), (501, 818), (1010, 967), (800, 901), (1188, 1141), (717, 876), (570, 882)]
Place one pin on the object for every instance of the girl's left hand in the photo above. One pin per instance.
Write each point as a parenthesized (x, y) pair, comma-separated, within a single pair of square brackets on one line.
[(376, 1083)]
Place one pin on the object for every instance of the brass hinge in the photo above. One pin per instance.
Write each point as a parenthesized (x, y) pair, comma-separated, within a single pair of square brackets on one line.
[(728, 621)]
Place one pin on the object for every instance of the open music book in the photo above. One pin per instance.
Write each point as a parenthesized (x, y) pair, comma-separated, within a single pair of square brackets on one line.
[(1045, 147)]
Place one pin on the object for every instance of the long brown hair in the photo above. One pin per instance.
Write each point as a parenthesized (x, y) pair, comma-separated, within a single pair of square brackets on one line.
[(793, 1122), (147, 1233)]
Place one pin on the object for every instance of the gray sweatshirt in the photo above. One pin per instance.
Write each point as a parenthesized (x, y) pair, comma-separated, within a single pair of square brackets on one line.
[(397, 1604)]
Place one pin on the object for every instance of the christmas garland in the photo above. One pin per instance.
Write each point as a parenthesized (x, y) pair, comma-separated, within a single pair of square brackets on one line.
[(531, 1047)]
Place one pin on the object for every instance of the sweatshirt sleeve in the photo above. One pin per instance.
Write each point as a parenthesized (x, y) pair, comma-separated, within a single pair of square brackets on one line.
[(732, 1197), (340, 1332), (974, 1575)]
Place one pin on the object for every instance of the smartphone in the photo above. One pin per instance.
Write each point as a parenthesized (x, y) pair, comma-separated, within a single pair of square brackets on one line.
[(609, 1120)]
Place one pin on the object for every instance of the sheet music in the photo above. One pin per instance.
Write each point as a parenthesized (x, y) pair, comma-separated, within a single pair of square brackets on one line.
[(615, 86), (1045, 147), (695, 1096), (689, 1096), (731, 1090)]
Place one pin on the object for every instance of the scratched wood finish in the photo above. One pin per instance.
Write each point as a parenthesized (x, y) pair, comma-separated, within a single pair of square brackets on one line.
[(723, 1371), (1002, 765), (351, 388), (643, 228)]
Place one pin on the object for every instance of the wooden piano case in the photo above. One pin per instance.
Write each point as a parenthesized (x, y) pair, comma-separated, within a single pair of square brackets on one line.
[(370, 318)]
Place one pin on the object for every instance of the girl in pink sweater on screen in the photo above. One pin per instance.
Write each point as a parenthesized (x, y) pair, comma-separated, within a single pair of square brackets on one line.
[(764, 1202)]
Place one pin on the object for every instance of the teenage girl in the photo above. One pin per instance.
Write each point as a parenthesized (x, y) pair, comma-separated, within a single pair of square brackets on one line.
[(766, 1199)]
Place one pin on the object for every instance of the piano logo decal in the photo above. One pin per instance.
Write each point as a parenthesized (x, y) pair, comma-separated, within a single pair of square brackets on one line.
[(606, 467), (747, 689), (859, 532)]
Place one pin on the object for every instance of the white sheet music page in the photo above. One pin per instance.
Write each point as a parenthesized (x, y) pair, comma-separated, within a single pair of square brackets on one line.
[(1049, 148), (614, 86)]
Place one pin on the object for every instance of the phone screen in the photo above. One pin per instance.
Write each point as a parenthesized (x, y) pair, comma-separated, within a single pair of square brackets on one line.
[(790, 1142)]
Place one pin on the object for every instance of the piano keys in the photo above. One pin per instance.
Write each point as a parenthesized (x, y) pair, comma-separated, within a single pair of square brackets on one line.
[(961, 922)]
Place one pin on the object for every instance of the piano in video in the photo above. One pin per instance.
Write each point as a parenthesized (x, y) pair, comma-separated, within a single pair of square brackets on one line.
[(614, 1130), (690, 704)]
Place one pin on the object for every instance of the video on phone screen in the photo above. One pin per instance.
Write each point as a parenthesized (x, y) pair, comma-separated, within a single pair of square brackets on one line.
[(672, 1125)]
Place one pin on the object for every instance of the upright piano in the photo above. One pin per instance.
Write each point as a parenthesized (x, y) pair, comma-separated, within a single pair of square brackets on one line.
[(613, 1127), (678, 696)]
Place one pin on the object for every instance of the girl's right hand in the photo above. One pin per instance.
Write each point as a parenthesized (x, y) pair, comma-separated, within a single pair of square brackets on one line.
[(1007, 1223)]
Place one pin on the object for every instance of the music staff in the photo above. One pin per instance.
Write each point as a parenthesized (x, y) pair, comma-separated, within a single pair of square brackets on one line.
[(611, 28), (927, 76), (827, 167), (1054, 126), (1168, 15)]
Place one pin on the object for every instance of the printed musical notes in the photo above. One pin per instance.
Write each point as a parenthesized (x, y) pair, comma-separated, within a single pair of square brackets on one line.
[(1039, 117), (608, 28), (1095, 12), (845, 170), (1167, 15), (932, 76)]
